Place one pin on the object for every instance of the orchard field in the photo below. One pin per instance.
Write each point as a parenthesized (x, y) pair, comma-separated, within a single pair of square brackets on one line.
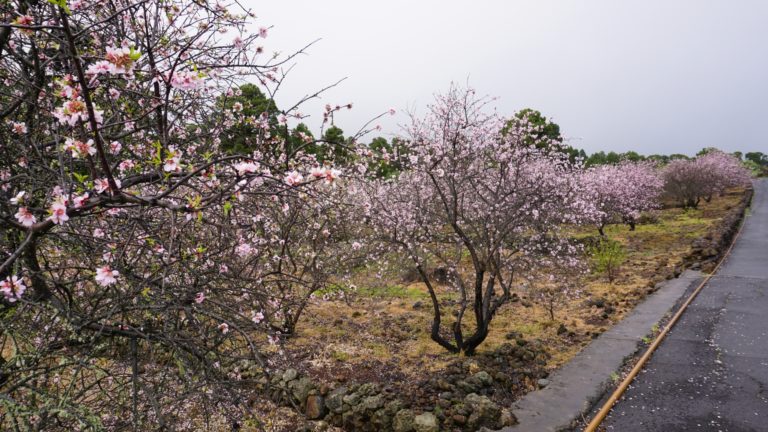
[(180, 253)]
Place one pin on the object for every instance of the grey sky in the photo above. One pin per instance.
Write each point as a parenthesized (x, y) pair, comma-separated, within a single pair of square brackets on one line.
[(659, 76)]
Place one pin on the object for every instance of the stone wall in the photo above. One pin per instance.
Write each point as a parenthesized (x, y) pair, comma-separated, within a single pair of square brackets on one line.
[(707, 251), (456, 399)]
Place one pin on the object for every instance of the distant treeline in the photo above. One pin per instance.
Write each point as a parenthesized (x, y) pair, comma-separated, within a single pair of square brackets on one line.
[(333, 146)]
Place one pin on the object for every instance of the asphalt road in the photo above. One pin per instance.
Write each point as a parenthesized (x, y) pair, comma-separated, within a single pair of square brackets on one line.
[(711, 372)]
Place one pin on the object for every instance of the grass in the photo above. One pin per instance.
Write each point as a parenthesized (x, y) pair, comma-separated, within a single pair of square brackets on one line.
[(394, 291)]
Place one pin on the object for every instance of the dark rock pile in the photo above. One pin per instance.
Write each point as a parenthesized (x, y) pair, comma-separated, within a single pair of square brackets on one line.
[(458, 398), (707, 251)]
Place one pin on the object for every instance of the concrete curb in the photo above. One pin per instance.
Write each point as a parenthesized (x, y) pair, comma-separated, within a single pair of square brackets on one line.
[(575, 387)]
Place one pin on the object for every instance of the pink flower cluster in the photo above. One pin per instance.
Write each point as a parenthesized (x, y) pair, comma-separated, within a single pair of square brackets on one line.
[(74, 110), (118, 61), (12, 288), (105, 276), (186, 80), (79, 149)]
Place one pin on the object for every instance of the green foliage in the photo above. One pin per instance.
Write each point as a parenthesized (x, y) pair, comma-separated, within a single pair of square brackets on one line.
[(239, 139), (759, 158), (706, 150), (674, 156), (335, 148), (547, 137), (601, 158), (62, 4), (393, 291), (755, 169), (395, 152), (607, 256), (301, 139), (662, 159), (547, 128)]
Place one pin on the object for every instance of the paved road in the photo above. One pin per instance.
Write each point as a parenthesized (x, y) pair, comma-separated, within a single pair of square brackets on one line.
[(711, 372)]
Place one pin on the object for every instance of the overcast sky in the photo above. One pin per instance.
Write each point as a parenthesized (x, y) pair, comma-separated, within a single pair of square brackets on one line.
[(660, 76)]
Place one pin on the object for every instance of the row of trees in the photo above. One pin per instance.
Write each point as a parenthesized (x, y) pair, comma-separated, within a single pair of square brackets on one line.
[(161, 223)]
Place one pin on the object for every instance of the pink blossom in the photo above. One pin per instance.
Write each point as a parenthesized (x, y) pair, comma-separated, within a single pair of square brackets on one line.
[(126, 165), (98, 233), (100, 67), (257, 317), (58, 212), (79, 200), (293, 178), (329, 174), (172, 164), (105, 276), (79, 149), (115, 147), (12, 288), (223, 328), (102, 185), (262, 32), (244, 249), (19, 128), (317, 172), (25, 217), (121, 59), (77, 4), (24, 20), (184, 80), (199, 297), (75, 110)]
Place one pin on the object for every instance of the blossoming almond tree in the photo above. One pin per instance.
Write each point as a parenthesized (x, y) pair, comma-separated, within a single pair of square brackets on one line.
[(621, 192), (119, 213), (690, 181), (480, 202)]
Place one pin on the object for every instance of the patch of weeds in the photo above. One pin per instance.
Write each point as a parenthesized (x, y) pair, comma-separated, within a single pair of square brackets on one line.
[(615, 377), (332, 289), (529, 328), (393, 291), (607, 256), (378, 350), (340, 356)]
